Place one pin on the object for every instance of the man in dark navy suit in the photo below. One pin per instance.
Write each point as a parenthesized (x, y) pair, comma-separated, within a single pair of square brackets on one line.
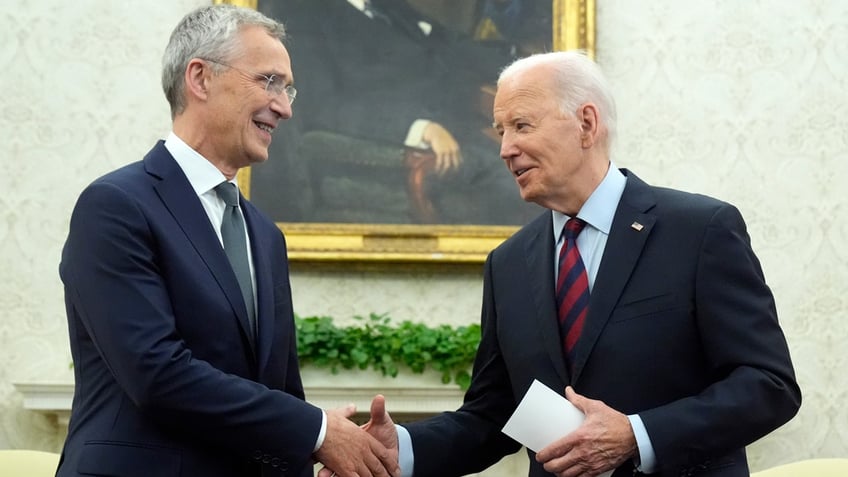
[(177, 289), (667, 337)]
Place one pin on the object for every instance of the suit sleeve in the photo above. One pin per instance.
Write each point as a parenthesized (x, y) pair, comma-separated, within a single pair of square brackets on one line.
[(115, 285), (470, 439), (754, 389)]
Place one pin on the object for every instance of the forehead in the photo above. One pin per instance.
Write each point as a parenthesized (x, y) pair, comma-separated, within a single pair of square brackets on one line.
[(264, 52), (522, 97)]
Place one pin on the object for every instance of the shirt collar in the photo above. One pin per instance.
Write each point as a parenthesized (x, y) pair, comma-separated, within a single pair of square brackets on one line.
[(599, 209), (201, 174)]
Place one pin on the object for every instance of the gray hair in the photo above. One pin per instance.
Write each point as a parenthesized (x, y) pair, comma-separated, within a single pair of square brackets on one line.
[(578, 80), (209, 32)]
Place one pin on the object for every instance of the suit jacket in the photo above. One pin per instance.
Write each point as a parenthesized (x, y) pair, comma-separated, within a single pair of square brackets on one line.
[(167, 381), (681, 329)]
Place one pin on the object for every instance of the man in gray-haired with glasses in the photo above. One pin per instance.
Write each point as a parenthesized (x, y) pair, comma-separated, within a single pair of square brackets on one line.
[(177, 289)]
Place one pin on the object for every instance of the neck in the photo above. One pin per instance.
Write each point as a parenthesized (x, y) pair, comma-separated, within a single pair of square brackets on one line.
[(202, 143)]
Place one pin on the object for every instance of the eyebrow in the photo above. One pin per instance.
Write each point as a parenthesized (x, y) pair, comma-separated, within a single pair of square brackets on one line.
[(282, 77)]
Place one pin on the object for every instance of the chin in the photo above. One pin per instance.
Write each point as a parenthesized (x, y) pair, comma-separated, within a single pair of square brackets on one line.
[(527, 195), (258, 157)]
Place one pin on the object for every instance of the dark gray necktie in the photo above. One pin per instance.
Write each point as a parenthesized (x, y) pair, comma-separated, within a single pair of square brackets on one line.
[(235, 245)]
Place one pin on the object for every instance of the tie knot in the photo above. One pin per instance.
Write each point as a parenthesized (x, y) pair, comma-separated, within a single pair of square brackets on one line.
[(572, 228), (228, 193)]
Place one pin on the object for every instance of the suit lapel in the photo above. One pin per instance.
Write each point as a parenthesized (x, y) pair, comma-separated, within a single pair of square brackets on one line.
[(181, 201), (539, 251), (623, 249)]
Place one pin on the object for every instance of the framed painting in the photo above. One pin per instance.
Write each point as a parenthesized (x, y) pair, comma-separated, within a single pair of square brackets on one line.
[(390, 156)]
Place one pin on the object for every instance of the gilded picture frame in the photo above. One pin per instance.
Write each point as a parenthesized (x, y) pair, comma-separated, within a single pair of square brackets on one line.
[(573, 27)]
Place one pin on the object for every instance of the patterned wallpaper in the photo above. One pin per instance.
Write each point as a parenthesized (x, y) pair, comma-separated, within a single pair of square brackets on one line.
[(741, 100)]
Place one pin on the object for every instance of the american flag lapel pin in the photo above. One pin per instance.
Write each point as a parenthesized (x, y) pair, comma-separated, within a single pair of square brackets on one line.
[(637, 226)]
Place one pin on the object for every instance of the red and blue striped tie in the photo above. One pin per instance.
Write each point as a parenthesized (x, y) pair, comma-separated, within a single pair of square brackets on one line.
[(572, 289)]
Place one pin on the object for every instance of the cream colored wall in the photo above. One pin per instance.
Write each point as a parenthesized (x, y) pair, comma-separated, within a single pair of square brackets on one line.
[(741, 100)]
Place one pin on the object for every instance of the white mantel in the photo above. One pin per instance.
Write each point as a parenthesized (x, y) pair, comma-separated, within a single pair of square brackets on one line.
[(408, 394)]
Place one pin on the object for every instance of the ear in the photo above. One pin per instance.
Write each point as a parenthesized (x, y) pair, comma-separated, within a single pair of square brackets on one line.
[(197, 76), (587, 114)]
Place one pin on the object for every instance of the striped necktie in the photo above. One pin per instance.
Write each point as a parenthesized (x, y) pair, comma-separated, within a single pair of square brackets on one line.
[(572, 289)]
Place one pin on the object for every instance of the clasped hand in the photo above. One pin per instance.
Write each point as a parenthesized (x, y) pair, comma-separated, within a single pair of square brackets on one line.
[(603, 442), (352, 451)]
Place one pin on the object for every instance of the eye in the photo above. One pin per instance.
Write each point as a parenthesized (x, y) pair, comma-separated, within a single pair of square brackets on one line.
[(274, 86)]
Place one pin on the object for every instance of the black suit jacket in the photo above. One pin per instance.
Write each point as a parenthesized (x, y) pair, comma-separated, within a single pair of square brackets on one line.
[(167, 383), (681, 329)]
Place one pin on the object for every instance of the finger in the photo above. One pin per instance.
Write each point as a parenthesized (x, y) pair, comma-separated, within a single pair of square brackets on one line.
[(457, 159), (555, 451), (449, 161), (348, 410), (374, 463), (386, 462), (444, 162)]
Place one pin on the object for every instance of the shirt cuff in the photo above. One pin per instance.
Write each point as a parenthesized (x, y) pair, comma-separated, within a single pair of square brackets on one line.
[(322, 433), (415, 135), (647, 458), (406, 458)]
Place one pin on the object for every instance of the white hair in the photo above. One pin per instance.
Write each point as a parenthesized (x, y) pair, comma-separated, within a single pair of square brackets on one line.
[(578, 80)]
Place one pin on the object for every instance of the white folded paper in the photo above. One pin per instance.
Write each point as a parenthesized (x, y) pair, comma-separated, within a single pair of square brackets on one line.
[(542, 417)]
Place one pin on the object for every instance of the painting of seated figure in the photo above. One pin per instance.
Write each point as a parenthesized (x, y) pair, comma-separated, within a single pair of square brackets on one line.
[(392, 122)]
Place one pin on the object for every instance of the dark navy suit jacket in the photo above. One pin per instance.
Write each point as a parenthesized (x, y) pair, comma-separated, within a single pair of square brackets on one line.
[(681, 329), (167, 382)]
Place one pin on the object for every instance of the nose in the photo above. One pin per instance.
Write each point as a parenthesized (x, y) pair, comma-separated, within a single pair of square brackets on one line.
[(281, 107), (508, 148)]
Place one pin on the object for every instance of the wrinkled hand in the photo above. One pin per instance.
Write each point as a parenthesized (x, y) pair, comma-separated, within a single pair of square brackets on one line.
[(351, 452), (603, 442), (443, 144)]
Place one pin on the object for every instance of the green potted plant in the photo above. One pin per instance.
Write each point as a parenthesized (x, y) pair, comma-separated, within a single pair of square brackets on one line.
[(379, 344)]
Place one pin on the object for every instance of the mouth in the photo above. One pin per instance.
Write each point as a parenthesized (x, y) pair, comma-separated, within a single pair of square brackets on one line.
[(520, 172), (264, 126)]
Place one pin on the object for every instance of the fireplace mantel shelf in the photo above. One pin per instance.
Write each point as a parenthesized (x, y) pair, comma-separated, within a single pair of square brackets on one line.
[(409, 394)]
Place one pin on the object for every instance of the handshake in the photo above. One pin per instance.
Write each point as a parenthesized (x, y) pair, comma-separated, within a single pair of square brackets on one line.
[(352, 451)]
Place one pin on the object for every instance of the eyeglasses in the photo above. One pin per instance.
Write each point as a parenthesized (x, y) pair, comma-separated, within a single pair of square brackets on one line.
[(273, 84)]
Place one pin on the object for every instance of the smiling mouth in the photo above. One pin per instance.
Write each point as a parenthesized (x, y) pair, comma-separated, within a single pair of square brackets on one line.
[(519, 172), (265, 127)]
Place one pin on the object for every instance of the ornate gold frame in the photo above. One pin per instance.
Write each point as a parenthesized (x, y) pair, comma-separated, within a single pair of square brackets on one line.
[(573, 28)]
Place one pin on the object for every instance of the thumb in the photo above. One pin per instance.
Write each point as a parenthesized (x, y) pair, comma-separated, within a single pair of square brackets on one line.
[(578, 400), (378, 410)]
